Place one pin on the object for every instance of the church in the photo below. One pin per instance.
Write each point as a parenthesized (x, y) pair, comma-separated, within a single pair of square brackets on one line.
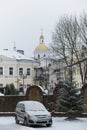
[(42, 54), (23, 71), (20, 70)]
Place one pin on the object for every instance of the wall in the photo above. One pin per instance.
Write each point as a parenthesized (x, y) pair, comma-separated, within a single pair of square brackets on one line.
[(8, 103)]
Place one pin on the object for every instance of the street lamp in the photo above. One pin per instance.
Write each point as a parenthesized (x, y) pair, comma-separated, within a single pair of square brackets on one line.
[(23, 76)]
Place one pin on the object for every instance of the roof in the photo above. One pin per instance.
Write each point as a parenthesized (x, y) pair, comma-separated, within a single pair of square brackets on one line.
[(42, 47), (1, 94), (33, 105), (14, 55)]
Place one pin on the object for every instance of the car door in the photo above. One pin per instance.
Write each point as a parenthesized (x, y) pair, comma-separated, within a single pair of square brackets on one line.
[(22, 112)]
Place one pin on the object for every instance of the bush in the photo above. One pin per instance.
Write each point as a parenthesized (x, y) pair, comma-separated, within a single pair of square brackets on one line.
[(10, 89)]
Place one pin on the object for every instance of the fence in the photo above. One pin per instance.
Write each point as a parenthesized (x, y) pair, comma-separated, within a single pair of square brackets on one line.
[(8, 103)]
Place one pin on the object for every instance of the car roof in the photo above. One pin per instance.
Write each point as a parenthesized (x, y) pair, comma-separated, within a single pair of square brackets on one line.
[(33, 104), (26, 101)]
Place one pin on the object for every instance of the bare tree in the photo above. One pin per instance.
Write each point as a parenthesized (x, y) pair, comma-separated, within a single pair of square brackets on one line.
[(83, 36), (66, 42), (83, 27)]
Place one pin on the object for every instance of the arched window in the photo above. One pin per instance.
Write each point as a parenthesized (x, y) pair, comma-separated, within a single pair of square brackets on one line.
[(10, 70), (28, 71), (20, 71), (38, 56)]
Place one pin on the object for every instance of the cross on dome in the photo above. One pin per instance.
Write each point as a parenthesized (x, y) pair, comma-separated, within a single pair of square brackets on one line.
[(41, 37)]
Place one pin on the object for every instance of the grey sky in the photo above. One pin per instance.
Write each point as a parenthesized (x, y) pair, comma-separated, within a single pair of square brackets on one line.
[(22, 20)]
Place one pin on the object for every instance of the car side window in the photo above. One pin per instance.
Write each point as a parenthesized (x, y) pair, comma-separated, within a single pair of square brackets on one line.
[(22, 107), (18, 105)]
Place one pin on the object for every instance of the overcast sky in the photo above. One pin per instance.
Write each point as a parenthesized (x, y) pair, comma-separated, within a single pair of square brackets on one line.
[(21, 21)]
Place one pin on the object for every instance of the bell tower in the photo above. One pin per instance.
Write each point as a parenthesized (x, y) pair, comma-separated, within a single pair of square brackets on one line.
[(41, 50)]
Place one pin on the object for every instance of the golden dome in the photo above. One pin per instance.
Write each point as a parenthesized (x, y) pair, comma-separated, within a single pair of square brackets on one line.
[(41, 47)]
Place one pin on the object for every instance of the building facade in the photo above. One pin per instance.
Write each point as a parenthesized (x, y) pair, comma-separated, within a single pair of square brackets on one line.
[(42, 55), (17, 69), (52, 70)]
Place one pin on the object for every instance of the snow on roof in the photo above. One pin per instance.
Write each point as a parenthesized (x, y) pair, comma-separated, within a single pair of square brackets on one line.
[(14, 55), (44, 91), (1, 94), (41, 88), (31, 105)]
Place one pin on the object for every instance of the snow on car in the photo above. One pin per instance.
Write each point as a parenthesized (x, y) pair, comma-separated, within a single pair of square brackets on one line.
[(32, 113)]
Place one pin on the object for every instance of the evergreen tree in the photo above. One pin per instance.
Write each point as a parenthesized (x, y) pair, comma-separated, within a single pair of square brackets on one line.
[(70, 100), (7, 90), (13, 90), (10, 89)]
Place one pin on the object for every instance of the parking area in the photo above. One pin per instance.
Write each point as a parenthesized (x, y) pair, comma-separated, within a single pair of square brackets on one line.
[(8, 123)]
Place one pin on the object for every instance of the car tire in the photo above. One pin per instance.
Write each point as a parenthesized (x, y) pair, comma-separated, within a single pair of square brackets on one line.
[(25, 122), (16, 119), (49, 125)]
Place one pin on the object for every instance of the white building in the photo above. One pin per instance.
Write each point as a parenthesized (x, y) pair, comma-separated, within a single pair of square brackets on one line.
[(16, 68), (57, 69), (42, 55)]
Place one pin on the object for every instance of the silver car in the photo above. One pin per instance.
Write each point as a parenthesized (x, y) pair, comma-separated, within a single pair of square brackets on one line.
[(32, 113)]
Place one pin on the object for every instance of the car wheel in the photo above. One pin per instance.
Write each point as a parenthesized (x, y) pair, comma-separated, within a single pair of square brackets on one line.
[(16, 119), (25, 122), (48, 125)]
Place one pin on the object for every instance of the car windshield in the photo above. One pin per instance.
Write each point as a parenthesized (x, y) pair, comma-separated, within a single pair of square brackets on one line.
[(35, 107)]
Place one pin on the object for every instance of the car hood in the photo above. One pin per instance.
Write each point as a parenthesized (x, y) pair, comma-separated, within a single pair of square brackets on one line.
[(38, 113)]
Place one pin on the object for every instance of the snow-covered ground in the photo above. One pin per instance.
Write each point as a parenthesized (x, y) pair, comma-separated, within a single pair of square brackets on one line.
[(8, 123)]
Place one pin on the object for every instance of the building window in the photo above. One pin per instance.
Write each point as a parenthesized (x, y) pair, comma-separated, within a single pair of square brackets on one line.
[(10, 71), (28, 71), (1, 88), (1, 70), (20, 71), (38, 56)]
